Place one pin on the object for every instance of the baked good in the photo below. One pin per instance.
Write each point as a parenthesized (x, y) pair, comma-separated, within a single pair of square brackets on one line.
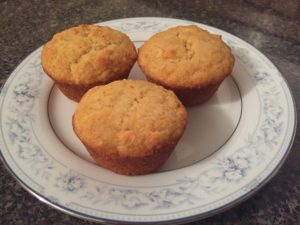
[(130, 126), (85, 56), (188, 60)]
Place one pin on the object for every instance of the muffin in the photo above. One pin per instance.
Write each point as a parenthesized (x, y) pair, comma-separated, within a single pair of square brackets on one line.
[(188, 60), (130, 126), (86, 56)]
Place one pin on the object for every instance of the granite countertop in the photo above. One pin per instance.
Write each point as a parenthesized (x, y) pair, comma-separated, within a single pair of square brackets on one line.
[(273, 27)]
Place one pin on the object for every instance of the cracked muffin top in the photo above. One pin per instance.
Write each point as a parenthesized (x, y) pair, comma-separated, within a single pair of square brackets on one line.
[(129, 117), (88, 54), (185, 57)]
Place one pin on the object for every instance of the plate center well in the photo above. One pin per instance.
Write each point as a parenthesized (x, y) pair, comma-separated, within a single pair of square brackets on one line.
[(209, 127)]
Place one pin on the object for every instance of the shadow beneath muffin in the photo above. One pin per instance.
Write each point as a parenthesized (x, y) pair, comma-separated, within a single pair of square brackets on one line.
[(234, 87), (210, 127)]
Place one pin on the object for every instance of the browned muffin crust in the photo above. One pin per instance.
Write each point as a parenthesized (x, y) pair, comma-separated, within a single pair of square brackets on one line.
[(130, 126), (88, 55), (188, 60)]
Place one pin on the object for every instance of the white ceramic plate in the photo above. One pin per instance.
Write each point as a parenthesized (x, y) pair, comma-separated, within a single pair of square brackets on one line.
[(233, 144)]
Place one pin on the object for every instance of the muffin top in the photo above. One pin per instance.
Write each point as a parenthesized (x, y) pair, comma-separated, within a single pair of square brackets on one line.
[(88, 54), (186, 57), (130, 117)]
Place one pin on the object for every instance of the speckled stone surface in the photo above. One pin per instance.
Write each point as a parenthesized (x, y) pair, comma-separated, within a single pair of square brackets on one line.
[(271, 26)]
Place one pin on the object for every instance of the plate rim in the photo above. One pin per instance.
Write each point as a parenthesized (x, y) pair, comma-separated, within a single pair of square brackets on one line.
[(178, 220)]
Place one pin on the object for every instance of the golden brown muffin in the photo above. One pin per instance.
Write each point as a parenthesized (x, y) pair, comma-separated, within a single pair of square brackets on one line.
[(130, 126), (85, 56), (188, 60)]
